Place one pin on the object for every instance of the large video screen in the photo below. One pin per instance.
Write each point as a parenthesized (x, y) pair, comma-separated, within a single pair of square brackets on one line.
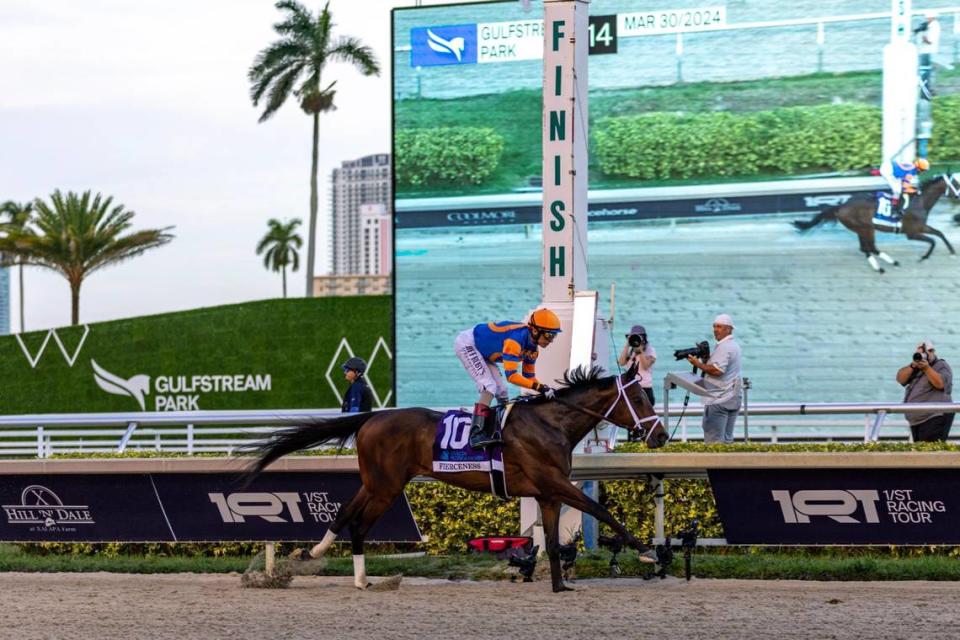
[(712, 128)]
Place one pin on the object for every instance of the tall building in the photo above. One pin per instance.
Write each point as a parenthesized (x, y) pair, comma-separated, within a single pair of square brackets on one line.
[(376, 238), (365, 181), (4, 302)]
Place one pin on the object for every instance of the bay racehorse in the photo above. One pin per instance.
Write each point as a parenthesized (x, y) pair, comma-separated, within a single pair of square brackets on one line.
[(395, 445), (857, 215)]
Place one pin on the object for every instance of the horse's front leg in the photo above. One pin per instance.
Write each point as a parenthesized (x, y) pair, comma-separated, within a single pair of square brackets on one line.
[(939, 234), (923, 238), (550, 512), (564, 491)]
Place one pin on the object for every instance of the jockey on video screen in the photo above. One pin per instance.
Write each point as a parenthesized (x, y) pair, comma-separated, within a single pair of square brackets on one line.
[(516, 345), (904, 180)]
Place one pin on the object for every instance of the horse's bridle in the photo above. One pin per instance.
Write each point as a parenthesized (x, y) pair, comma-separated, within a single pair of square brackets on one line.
[(645, 433)]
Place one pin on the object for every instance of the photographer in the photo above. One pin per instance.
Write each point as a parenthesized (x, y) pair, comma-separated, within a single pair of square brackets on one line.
[(927, 379), (639, 350), (721, 372)]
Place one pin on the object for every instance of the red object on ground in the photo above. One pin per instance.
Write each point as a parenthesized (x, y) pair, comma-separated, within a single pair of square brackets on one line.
[(500, 544)]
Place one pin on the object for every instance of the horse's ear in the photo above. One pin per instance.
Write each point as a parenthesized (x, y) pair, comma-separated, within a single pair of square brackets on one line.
[(632, 371)]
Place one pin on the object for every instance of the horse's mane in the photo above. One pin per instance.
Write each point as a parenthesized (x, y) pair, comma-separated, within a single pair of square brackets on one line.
[(933, 180), (582, 377)]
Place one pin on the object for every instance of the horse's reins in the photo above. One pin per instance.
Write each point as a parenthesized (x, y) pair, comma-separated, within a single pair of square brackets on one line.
[(621, 395)]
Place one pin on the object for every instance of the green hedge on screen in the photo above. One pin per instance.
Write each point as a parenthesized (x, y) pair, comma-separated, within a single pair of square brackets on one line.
[(662, 146), (446, 155)]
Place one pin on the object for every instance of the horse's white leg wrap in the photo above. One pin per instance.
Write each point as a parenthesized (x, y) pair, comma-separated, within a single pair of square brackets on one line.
[(886, 258), (321, 548), (873, 262), (359, 572)]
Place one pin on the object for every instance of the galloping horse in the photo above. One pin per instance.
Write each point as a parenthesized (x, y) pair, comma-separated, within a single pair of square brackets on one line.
[(857, 215), (396, 445)]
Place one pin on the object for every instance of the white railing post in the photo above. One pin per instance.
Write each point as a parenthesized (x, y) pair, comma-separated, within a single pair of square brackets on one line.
[(190, 439), (40, 447)]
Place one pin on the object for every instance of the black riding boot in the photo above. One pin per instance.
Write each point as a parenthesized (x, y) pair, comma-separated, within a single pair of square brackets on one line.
[(483, 428)]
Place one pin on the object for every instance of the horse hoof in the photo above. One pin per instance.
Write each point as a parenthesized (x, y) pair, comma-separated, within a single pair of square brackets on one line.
[(896, 263), (299, 555), (881, 271), (560, 588)]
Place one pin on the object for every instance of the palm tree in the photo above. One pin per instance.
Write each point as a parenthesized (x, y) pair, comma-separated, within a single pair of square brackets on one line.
[(76, 235), (293, 65), (281, 244), (19, 216)]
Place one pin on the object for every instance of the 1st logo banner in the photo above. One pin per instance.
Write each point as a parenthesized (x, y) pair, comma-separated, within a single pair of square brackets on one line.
[(838, 506)]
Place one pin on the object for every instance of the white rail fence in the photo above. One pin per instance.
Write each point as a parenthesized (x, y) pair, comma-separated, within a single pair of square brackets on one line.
[(194, 432)]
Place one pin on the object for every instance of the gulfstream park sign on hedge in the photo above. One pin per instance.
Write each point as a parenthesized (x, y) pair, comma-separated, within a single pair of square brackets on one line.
[(258, 355)]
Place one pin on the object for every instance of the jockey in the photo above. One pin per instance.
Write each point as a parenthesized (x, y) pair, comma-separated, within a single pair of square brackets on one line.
[(904, 180), (516, 345)]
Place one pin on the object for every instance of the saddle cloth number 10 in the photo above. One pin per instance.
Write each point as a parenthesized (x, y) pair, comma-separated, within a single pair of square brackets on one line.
[(456, 431)]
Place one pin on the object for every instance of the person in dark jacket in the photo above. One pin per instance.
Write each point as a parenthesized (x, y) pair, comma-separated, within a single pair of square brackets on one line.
[(358, 398)]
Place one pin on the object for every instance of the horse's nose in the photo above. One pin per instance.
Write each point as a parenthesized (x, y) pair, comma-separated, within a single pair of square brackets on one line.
[(662, 438)]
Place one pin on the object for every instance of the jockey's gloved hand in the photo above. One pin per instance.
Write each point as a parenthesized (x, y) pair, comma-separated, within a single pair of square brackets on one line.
[(546, 391), (502, 400)]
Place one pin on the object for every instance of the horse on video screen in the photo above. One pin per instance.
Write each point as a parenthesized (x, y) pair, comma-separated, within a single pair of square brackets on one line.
[(396, 445), (857, 215)]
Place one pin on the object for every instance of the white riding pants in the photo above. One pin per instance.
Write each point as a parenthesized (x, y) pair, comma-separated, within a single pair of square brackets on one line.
[(486, 375)]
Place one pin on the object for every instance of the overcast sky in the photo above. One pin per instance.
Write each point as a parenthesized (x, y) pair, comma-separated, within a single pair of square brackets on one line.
[(148, 101)]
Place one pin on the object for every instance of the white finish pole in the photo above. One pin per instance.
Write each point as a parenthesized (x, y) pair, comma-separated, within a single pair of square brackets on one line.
[(900, 87)]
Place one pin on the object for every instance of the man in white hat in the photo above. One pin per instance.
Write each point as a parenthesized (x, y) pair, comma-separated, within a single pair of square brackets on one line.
[(927, 379), (721, 372)]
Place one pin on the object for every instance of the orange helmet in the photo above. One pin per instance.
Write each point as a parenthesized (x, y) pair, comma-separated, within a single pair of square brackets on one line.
[(545, 320), (922, 163)]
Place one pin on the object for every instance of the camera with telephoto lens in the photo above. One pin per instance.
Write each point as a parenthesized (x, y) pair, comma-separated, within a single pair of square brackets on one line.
[(701, 351), (637, 340), (917, 357)]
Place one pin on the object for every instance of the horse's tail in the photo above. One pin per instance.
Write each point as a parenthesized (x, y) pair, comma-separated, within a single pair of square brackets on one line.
[(827, 215), (313, 433)]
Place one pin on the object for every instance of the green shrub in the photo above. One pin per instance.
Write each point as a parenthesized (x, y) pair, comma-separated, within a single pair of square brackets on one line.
[(661, 146), (945, 144), (446, 155)]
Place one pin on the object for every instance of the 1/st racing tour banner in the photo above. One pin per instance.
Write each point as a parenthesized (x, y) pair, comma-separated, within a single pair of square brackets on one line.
[(185, 507), (839, 506)]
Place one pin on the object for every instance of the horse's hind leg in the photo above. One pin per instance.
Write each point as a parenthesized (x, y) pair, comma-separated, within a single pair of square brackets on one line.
[(923, 238), (550, 510), (868, 246), (360, 526), (939, 234), (356, 504)]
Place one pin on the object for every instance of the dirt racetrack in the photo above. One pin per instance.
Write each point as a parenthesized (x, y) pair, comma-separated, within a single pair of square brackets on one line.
[(105, 606)]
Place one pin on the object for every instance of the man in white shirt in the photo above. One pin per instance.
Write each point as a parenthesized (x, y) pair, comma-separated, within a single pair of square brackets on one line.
[(929, 35), (928, 45), (721, 372)]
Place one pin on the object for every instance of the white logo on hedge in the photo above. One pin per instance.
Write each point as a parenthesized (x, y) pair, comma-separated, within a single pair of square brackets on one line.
[(177, 393), (41, 506), (52, 333), (837, 504), (453, 45), (136, 387)]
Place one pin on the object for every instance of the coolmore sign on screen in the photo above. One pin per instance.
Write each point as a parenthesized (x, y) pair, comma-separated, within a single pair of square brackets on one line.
[(182, 507), (839, 506)]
